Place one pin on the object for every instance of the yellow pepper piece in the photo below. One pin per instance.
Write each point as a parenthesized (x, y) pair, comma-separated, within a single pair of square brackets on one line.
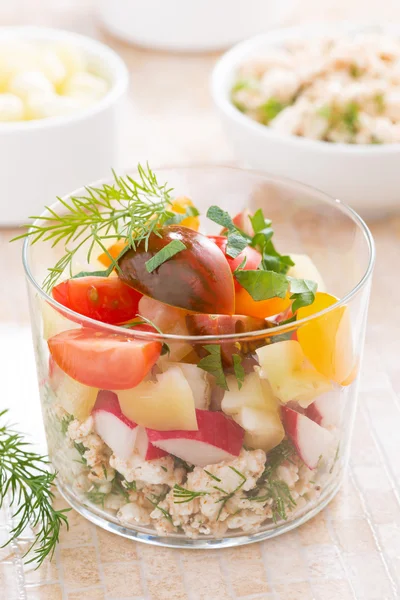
[(327, 340), (114, 250), (179, 206)]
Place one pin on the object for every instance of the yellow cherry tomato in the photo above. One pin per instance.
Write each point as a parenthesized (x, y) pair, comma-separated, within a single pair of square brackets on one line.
[(245, 305), (179, 206), (115, 250), (327, 340)]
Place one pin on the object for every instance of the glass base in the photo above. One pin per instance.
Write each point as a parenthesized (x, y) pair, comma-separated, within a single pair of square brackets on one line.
[(178, 540)]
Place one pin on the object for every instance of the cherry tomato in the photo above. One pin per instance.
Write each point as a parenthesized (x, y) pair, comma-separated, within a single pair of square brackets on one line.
[(103, 360), (105, 299), (253, 257)]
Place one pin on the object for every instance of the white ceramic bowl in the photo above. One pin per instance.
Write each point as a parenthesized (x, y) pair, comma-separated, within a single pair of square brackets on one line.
[(45, 158), (193, 25), (365, 176)]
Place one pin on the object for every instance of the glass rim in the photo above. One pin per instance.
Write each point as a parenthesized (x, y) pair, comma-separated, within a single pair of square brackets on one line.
[(245, 336)]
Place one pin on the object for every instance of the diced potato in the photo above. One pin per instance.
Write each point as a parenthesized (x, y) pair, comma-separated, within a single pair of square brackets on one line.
[(165, 405), (263, 428), (290, 375)]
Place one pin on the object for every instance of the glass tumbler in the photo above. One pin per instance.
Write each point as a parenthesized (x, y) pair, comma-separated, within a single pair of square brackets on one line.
[(187, 462)]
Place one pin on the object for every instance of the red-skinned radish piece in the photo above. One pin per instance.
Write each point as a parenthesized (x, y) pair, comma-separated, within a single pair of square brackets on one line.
[(218, 439), (311, 440), (104, 360), (118, 432), (326, 410), (146, 450), (197, 279), (105, 299)]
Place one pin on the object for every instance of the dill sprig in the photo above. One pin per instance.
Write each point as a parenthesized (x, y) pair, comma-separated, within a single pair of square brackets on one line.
[(156, 503), (182, 495), (27, 485), (227, 496), (271, 489), (126, 209)]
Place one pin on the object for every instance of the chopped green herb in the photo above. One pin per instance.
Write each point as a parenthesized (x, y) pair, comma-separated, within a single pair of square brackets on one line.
[(213, 364), (350, 117), (79, 447), (263, 285), (355, 71), (244, 84), (380, 103), (95, 496), (227, 495), (270, 109), (211, 475), (303, 292), (65, 422), (164, 254), (156, 501), (270, 488), (237, 240), (325, 112), (239, 370), (164, 468), (183, 495)]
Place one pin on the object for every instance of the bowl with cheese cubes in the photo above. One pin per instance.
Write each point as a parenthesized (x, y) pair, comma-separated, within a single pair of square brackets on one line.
[(60, 94)]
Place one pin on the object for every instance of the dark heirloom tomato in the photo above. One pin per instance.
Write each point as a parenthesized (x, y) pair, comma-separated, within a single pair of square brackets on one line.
[(105, 299), (197, 279), (224, 325)]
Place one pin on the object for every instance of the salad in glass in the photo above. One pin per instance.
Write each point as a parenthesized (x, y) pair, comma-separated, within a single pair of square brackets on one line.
[(197, 384)]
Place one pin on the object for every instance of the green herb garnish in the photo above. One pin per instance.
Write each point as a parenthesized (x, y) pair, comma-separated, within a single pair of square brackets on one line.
[(182, 495), (237, 240), (229, 495), (380, 103), (350, 117), (191, 211), (239, 370), (164, 254), (27, 486), (270, 109), (65, 422), (213, 364), (211, 475), (263, 285), (270, 488), (303, 292), (156, 501), (127, 209)]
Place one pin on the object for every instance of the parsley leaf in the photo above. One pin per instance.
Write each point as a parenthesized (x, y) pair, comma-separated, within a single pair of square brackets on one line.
[(164, 254), (213, 364), (350, 117), (263, 285), (272, 260), (221, 217), (303, 292), (239, 370), (236, 244), (258, 221), (237, 240)]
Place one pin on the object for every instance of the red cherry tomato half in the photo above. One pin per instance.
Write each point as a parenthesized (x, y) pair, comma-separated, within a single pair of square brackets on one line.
[(253, 257), (105, 299), (103, 360)]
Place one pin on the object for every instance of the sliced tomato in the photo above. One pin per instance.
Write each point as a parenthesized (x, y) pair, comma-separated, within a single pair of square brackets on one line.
[(253, 257), (105, 299), (103, 360)]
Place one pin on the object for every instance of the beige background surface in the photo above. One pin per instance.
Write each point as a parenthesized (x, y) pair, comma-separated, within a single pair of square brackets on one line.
[(352, 549)]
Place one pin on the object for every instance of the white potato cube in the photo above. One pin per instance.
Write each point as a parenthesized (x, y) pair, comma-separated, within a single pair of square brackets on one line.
[(42, 107), (52, 66)]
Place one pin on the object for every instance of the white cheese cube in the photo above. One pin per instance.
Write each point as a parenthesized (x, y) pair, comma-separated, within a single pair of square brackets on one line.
[(11, 108), (30, 82)]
